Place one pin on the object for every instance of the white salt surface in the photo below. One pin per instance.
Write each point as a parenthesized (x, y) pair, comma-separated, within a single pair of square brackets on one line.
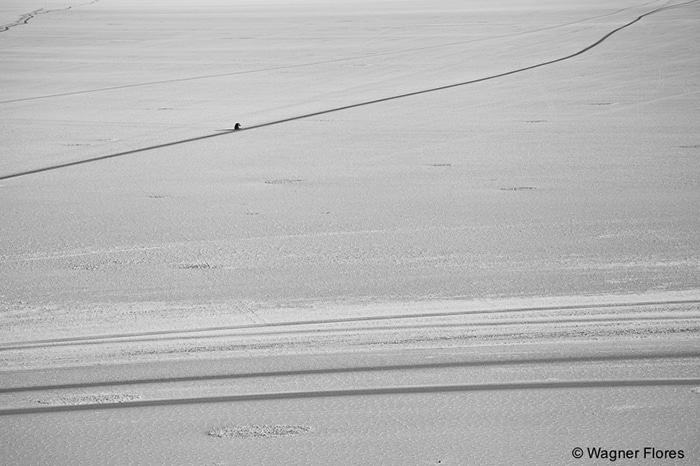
[(408, 199), (542, 215)]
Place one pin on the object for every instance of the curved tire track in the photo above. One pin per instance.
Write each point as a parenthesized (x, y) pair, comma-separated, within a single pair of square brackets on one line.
[(356, 105), (25, 18)]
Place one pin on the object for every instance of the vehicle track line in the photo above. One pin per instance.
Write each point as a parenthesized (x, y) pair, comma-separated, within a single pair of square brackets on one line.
[(396, 390), (118, 154), (347, 370), (474, 81), (347, 107), (18, 344)]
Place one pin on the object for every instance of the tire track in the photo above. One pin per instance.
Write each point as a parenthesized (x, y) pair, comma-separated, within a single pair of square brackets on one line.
[(392, 390), (351, 106), (324, 62), (15, 345), (514, 361), (504, 323)]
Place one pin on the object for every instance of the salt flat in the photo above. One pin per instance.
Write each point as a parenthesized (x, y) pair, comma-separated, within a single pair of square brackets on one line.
[(543, 211), (471, 428)]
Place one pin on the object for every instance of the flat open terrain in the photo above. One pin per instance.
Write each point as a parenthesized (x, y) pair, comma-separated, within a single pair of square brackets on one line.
[(456, 232)]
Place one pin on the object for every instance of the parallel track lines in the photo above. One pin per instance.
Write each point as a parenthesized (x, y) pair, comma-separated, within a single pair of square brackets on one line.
[(493, 324), (113, 337), (364, 369)]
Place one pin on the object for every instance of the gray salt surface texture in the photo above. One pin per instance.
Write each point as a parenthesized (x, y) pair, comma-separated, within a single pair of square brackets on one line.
[(83, 399), (259, 431), (532, 238)]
